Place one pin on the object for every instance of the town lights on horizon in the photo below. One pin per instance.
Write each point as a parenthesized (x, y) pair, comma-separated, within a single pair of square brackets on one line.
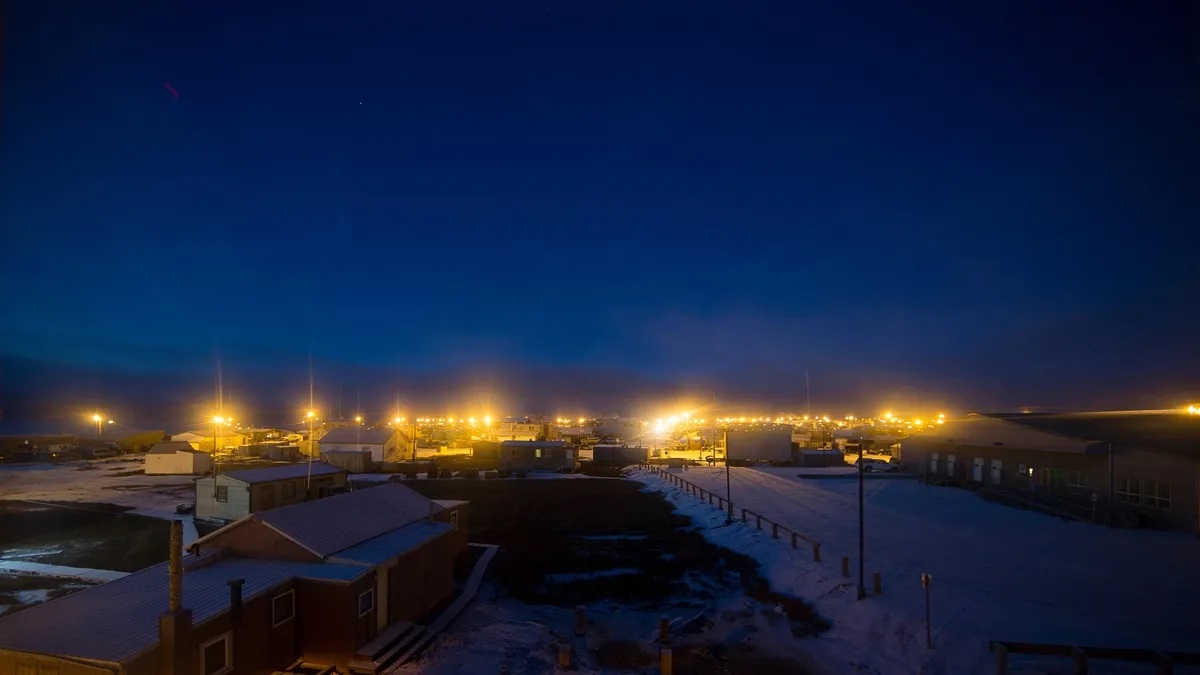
[(358, 418), (1193, 409), (487, 420)]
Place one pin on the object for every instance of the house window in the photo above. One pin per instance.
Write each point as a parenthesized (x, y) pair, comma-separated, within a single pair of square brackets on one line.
[(283, 608), (1156, 494), (1129, 491), (454, 519), (216, 655), (289, 490), (537, 452), (366, 602), (1077, 479), (222, 493)]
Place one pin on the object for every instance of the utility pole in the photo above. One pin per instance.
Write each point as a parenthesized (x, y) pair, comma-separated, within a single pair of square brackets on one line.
[(807, 395), (862, 589)]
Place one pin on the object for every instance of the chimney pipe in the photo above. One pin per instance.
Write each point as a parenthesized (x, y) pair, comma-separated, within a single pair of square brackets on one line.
[(175, 567), (235, 594)]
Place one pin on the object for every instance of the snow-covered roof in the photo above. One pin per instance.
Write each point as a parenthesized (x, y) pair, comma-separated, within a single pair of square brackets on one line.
[(358, 436), (172, 447)]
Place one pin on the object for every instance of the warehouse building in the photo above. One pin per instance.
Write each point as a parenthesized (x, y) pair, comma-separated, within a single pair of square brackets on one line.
[(1144, 466)]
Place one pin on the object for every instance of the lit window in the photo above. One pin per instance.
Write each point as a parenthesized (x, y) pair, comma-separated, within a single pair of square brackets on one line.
[(366, 602), (222, 493), (283, 608), (216, 655)]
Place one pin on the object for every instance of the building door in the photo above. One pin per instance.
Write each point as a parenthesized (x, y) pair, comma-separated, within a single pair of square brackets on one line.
[(996, 466), (977, 470), (950, 465), (933, 462)]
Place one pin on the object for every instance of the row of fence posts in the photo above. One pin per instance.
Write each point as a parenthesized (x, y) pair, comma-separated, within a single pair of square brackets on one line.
[(876, 577), (665, 664)]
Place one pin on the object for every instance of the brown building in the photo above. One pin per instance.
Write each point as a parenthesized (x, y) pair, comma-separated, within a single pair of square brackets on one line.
[(338, 582), (1142, 466)]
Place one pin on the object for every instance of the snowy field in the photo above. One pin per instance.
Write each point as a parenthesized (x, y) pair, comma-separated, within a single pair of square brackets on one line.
[(97, 481), (998, 573)]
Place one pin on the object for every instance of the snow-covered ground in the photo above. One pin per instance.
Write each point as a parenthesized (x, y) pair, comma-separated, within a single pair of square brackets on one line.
[(97, 481), (59, 571), (496, 635), (998, 573)]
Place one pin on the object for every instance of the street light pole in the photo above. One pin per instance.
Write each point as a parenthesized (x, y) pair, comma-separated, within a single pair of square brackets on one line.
[(862, 589), (312, 445), (216, 458), (728, 493)]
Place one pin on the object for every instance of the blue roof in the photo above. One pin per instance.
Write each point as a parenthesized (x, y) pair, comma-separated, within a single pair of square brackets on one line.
[(281, 472), (392, 544), (116, 621), (328, 526)]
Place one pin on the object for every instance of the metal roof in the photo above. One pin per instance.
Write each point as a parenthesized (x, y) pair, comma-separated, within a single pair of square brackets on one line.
[(116, 621), (268, 474), (171, 447), (533, 444), (358, 436), (1170, 432), (327, 526), (392, 544)]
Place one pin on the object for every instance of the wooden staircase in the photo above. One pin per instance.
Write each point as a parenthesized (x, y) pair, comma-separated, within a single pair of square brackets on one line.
[(375, 656)]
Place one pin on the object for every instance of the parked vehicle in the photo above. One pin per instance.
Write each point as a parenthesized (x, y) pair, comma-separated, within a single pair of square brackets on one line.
[(185, 508), (872, 464)]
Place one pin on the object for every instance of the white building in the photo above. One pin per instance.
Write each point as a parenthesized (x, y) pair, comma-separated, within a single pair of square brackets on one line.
[(519, 431), (232, 495), (385, 445), (176, 458)]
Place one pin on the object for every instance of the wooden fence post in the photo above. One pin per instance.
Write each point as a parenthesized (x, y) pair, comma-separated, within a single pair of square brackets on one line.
[(846, 566), (877, 582), (758, 521), (743, 515), (1001, 658), (775, 530), (564, 657), (580, 620), (664, 661), (664, 630), (793, 540), (1080, 656), (816, 550)]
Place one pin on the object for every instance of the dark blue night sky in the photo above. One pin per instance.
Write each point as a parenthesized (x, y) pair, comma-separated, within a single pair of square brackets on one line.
[(980, 203)]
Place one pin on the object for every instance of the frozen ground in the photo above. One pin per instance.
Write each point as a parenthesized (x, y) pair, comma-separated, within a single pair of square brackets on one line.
[(998, 573), (733, 635), (97, 481)]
